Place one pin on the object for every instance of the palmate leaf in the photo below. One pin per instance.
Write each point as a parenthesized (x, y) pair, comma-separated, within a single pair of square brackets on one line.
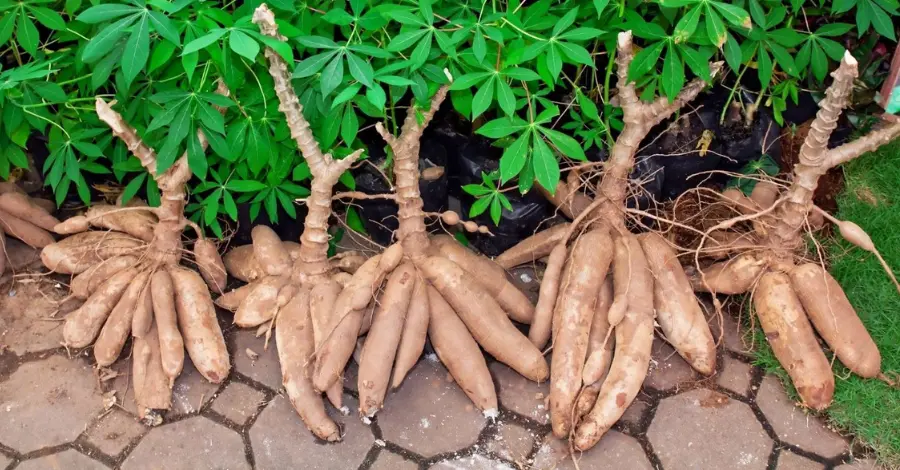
[(137, 50)]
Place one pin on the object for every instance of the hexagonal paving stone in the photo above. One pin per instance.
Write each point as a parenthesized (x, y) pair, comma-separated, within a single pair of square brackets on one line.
[(788, 460), (859, 464), (735, 376), (550, 453), (794, 426), (67, 459), (238, 402), (472, 462), (191, 444), (280, 439), (114, 432), (390, 461), (191, 390), (26, 325), (512, 442), (705, 429), (47, 403), (520, 394), (615, 451), (265, 368), (4, 461), (668, 370), (429, 414)]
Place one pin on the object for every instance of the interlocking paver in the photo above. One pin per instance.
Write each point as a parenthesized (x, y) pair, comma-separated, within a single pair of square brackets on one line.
[(263, 366), (191, 444), (4, 461), (512, 442), (705, 429), (280, 440), (668, 370), (551, 453), (859, 464), (66, 460), (390, 461), (114, 432), (238, 402), (735, 376), (615, 451), (47, 403), (191, 390), (788, 460), (794, 426), (429, 413), (472, 462), (26, 324), (520, 394)]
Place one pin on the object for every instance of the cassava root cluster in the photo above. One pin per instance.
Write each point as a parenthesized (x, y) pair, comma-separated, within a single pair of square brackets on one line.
[(25, 218), (129, 274)]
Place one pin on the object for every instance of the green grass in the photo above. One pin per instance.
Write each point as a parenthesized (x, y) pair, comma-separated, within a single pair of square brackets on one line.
[(869, 409)]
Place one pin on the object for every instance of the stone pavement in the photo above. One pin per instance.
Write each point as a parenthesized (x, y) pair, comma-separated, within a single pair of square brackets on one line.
[(58, 413)]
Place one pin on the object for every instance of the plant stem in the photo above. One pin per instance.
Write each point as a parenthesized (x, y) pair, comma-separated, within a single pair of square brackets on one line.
[(731, 95)]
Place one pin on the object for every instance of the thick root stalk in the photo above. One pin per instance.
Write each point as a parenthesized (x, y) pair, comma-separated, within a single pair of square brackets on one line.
[(171, 343), (83, 325), (23, 207), (151, 386), (460, 353), (733, 276), (485, 319), (79, 252), (835, 319), (340, 337), (210, 265), (294, 338), (542, 324), (581, 281), (677, 310), (197, 322), (533, 248), (788, 331), (490, 275), (381, 344), (269, 251), (116, 328), (634, 338), (261, 303), (86, 283), (601, 341), (415, 332)]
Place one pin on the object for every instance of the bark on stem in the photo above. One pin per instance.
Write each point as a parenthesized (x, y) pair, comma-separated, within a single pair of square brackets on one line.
[(166, 246), (411, 233), (639, 118), (312, 263), (814, 160)]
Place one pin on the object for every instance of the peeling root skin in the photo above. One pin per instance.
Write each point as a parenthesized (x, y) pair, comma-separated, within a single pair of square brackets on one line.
[(581, 280), (677, 310), (293, 335), (459, 352), (791, 336), (730, 277), (834, 318), (484, 318), (533, 248)]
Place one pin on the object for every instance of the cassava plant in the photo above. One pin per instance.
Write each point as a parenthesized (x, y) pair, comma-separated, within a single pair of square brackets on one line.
[(604, 289), (788, 291), (25, 218), (130, 274), (294, 288)]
